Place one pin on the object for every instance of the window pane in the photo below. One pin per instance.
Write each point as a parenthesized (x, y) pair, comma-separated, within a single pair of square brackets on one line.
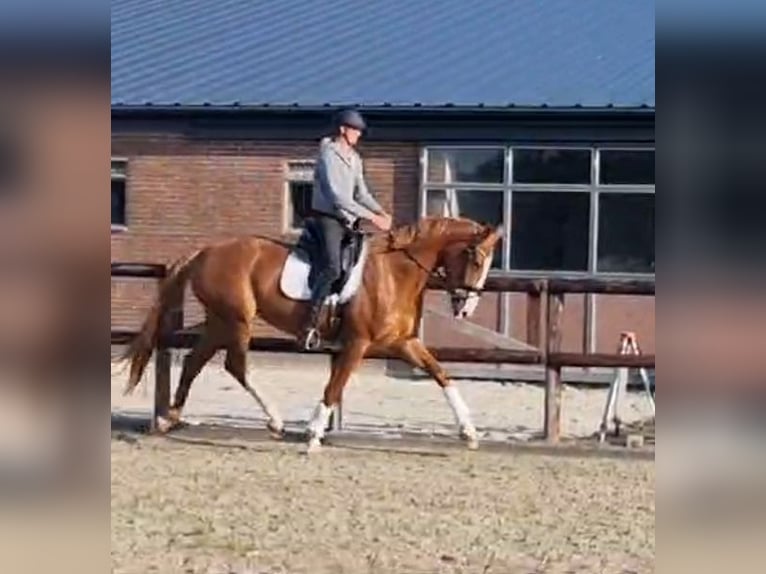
[(482, 206), (627, 167), (466, 165), (551, 165), (300, 201), (626, 233), (118, 202), (549, 231)]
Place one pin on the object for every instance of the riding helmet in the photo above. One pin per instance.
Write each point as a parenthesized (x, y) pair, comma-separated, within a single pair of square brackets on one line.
[(351, 118)]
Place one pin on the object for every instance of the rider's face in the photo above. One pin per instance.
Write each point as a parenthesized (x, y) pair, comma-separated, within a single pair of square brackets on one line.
[(352, 135)]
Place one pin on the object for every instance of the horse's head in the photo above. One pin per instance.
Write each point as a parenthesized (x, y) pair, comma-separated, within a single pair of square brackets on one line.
[(457, 250), (465, 263)]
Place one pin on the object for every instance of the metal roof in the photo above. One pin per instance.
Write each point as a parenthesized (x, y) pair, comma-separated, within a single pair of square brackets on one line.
[(493, 53)]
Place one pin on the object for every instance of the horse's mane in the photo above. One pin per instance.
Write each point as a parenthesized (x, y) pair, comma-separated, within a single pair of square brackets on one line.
[(431, 226), (402, 236)]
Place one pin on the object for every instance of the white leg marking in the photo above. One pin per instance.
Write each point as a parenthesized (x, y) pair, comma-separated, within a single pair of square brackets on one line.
[(463, 416), (319, 420), (316, 427), (459, 408)]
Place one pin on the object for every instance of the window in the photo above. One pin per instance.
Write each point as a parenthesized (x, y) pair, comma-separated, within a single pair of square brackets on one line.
[(119, 208), (625, 213), (466, 165), (558, 215), (457, 178), (300, 184), (625, 167), (561, 166), (550, 225), (481, 206), (550, 231), (626, 233)]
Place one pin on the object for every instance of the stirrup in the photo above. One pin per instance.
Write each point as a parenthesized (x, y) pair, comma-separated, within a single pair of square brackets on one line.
[(312, 341)]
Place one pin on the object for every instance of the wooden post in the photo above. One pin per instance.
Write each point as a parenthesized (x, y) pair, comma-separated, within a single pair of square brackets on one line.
[(534, 312), (339, 418), (173, 321), (555, 313), (335, 422)]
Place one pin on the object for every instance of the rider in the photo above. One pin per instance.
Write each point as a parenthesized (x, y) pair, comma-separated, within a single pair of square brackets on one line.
[(340, 198)]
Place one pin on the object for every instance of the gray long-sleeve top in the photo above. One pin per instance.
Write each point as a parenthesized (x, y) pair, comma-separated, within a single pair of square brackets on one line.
[(339, 186)]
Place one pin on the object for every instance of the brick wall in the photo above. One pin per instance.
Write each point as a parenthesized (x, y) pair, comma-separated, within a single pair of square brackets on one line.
[(182, 194)]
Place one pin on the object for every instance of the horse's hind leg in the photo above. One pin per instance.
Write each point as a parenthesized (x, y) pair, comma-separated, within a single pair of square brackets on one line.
[(415, 352), (236, 365), (210, 341)]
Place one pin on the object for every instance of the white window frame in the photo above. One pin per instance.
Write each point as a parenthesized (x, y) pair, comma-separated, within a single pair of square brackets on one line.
[(120, 227), (295, 171)]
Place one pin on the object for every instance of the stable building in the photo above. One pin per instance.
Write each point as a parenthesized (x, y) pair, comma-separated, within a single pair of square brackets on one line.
[(538, 116)]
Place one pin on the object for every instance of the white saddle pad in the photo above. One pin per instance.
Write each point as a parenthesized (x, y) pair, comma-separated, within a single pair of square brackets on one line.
[(294, 281)]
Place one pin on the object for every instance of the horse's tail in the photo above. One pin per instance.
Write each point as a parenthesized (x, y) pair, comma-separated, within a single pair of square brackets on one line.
[(170, 296)]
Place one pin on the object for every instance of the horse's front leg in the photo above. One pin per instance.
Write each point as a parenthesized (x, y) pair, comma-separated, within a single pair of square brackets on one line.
[(416, 353), (343, 365)]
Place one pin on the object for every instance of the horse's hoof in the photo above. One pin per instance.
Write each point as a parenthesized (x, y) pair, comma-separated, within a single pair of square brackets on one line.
[(471, 438), (276, 431), (163, 425), (314, 446)]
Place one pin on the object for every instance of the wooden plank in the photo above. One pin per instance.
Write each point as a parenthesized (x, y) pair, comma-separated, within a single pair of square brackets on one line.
[(500, 284), (602, 286), (493, 284), (552, 416), (186, 339), (138, 270), (601, 360), (562, 285)]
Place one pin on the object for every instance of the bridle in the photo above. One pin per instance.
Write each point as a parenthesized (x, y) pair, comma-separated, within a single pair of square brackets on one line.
[(458, 293)]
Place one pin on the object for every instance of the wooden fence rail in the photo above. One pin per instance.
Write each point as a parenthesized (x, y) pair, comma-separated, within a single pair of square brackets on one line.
[(546, 335)]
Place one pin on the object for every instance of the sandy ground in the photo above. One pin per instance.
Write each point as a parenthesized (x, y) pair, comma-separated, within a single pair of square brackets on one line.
[(376, 402), (266, 507)]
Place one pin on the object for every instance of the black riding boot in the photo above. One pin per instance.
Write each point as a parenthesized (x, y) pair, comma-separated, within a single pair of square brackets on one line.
[(311, 338)]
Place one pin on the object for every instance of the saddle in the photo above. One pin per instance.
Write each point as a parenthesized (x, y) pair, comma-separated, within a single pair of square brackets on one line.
[(299, 274), (309, 246)]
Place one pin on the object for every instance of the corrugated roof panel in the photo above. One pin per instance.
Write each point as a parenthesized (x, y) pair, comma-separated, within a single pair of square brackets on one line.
[(557, 53)]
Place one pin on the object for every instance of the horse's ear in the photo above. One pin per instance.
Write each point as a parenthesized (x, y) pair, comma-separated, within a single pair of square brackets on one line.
[(491, 235)]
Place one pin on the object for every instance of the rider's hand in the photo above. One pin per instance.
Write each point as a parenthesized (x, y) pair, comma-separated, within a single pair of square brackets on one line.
[(382, 221)]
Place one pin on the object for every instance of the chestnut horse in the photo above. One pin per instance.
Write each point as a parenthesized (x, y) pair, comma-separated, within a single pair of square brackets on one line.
[(239, 279)]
